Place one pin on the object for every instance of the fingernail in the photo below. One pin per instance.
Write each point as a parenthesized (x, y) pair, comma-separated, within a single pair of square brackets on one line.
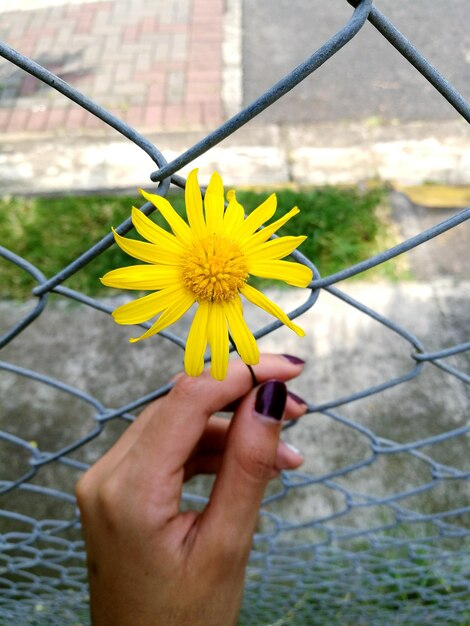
[(293, 359), (271, 399), (288, 456), (293, 449), (296, 398)]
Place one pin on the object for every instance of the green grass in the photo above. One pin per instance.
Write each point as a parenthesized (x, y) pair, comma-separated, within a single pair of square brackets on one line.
[(342, 225)]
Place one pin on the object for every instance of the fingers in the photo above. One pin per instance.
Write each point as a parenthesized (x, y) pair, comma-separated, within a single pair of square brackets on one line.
[(287, 458), (207, 456), (251, 451), (182, 416), (150, 459), (213, 439)]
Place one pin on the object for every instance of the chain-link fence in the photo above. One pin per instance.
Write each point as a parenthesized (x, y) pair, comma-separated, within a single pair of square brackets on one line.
[(371, 558)]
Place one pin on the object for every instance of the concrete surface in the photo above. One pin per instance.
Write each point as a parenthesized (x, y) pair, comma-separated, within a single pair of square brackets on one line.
[(306, 155), (345, 350), (367, 78)]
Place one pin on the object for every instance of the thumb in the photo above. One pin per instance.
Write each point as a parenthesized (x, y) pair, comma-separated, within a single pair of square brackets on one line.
[(250, 454)]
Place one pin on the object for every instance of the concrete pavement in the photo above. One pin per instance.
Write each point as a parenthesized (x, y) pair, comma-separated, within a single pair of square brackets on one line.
[(368, 78)]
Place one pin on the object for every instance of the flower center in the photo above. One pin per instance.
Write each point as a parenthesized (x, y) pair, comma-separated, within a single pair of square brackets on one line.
[(215, 268)]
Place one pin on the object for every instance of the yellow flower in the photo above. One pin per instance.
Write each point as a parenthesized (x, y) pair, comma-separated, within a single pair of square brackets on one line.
[(207, 260)]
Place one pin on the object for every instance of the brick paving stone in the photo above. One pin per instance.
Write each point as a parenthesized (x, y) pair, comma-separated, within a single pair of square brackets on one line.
[(212, 113), (175, 89), (123, 72), (131, 33), (92, 52), (37, 121), (143, 61), (179, 45), (201, 92), (4, 119), (84, 24), (57, 117), (29, 85), (134, 115), (149, 26), (75, 118), (94, 123), (162, 48), (158, 65), (182, 10), (152, 116), (173, 28), (157, 91), (103, 83), (18, 121)]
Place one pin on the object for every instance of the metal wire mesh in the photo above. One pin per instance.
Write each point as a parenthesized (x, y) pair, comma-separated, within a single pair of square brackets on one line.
[(398, 562)]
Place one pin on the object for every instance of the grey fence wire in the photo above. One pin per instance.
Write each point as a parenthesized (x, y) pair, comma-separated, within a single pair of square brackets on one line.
[(407, 566)]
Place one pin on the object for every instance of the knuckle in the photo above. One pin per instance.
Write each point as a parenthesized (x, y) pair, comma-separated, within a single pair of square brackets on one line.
[(228, 552), (107, 494), (85, 490), (255, 463), (186, 388), (232, 550), (109, 499)]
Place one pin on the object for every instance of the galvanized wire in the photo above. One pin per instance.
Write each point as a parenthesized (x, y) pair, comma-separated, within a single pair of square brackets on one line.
[(405, 566)]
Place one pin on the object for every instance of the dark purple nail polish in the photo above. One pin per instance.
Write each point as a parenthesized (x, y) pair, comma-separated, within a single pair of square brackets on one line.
[(293, 359), (271, 399), (296, 398)]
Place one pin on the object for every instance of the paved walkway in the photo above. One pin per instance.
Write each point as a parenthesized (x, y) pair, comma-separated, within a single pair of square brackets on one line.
[(154, 64), (172, 69)]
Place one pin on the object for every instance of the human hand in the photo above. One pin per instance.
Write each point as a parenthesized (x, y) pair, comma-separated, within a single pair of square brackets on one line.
[(150, 564)]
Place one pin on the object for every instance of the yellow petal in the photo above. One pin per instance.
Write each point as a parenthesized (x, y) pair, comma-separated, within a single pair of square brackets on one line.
[(265, 233), (197, 341), (258, 217), (294, 274), (276, 248), (218, 340), (153, 233), (177, 223), (214, 204), (193, 201), (142, 277), (245, 343), (258, 298), (181, 303), (148, 252), (234, 214), (144, 308)]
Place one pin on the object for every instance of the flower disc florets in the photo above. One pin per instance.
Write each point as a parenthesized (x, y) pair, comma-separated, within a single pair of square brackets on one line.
[(215, 268)]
